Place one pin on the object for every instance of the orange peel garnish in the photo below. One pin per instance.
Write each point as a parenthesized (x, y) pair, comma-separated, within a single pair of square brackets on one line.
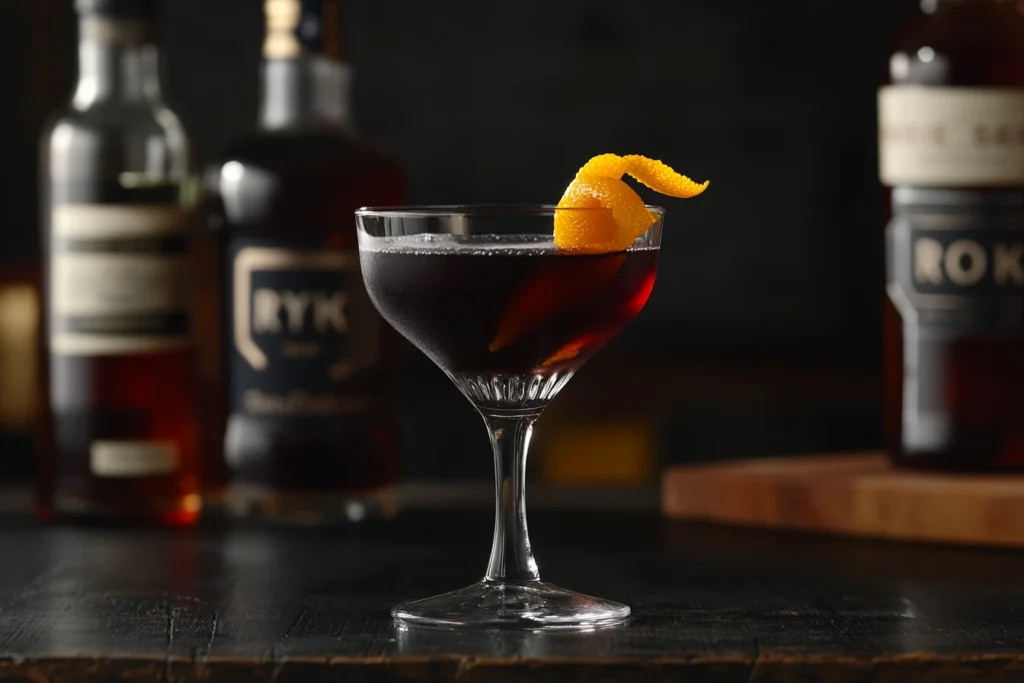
[(599, 184), (623, 217)]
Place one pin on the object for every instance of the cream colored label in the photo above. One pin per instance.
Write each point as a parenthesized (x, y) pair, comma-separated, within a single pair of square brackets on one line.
[(115, 284), (107, 31), (117, 221), (132, 458), (951, 137), (118, 279), (283, 17)]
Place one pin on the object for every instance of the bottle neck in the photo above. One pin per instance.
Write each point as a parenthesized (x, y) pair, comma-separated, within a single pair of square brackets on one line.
[(118, 60), (308, 91)]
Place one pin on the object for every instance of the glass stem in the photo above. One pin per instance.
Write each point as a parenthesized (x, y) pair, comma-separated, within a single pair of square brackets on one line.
[(511, 555)]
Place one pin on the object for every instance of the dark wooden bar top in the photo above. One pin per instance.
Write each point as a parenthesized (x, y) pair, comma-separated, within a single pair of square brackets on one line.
[(225, 602)]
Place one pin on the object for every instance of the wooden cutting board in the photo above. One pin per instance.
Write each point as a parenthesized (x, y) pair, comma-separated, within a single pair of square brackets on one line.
[(855, 494)]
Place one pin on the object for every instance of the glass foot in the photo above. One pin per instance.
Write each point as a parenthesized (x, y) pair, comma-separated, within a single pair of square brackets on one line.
[(531, 606)]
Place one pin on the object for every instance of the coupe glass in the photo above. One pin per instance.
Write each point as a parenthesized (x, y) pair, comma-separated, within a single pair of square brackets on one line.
[(483, 292)]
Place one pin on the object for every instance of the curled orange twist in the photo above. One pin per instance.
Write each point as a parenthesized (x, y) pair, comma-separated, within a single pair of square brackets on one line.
[(599, 184), (559, 288)]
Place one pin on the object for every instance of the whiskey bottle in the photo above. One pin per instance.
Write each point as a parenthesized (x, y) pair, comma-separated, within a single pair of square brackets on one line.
[(310, 433), (951, 127), (120, 438)]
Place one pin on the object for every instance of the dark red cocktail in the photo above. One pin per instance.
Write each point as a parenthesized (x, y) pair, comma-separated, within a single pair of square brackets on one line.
[(487, 306)]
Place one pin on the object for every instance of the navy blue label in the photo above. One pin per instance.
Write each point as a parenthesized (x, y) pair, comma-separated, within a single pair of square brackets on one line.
[(303, 333), (957, 258)]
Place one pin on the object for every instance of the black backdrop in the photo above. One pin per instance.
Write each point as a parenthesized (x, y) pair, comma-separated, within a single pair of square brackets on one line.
[(502, 101)]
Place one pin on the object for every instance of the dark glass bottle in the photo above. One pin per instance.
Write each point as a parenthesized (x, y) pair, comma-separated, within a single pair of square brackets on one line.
[(119, 439), (952, 150), (310, 383)]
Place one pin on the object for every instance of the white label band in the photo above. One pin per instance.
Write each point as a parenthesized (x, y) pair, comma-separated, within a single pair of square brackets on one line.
[(117, 221), (951, 137), (118, 279), (118, 284), (118, 459)]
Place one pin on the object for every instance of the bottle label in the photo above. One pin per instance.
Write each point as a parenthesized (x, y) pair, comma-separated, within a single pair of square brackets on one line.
[(118, 279), (105, 30), (951, 136), (956, 258), (304, 333), (117, 459)]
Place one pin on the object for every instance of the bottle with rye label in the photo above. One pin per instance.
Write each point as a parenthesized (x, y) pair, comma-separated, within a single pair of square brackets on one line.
[(951, 145), (120, 437), (309, 433)]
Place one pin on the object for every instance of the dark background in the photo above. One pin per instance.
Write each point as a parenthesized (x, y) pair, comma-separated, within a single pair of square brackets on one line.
[(770, 281)]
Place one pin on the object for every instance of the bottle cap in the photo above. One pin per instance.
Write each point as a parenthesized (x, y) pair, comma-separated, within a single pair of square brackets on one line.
[(302, 27)]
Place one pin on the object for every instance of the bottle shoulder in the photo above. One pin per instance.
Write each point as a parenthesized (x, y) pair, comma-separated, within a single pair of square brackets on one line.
[(116, 116), (299, 151), (286, 182), (114, 127), (82, 142)]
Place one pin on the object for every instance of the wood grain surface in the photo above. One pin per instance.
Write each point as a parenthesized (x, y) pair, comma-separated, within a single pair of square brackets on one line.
[(859, 494), (222, 603)]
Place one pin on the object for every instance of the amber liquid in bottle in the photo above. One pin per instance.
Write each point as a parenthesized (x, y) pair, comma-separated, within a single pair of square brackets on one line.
[(119, 437), (309, 367), (952, 149)]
